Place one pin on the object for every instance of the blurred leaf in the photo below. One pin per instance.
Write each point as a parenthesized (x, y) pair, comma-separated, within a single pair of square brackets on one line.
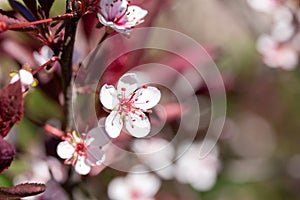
[(7, 154), (22, 190), (11, 107), (31, 4), (17, 6), (10, 21), (39, 106), (46, 6)]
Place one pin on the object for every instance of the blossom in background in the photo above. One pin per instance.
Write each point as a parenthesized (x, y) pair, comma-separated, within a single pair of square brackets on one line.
[(128, 103), (266, 6), (158, 154), (283, 27), (25, 77), (277, 55), (200, 173), (135, 186), (44, 55), (120, 16), (82, 152)]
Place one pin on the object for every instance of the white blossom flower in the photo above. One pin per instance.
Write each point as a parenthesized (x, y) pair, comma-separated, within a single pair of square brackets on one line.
[(44, 55), (266, 6), (277, 55), (25, 77), (128, 104), (82, 152), (135, 186), (199, 173), (120, 16), (157, 153)]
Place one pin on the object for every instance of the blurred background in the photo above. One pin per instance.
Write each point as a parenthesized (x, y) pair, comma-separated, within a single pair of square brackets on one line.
[(255, 45)]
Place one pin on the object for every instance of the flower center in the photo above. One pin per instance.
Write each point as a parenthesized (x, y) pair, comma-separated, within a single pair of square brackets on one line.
[(80, 148)]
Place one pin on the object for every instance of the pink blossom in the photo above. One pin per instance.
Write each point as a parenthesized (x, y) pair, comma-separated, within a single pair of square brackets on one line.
[(200, 173), (82, 152), (277, 55), (120, 16), (128, 103), (135, 186)]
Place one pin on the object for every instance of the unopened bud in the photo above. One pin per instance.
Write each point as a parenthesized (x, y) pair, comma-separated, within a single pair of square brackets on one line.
[(3, 26)]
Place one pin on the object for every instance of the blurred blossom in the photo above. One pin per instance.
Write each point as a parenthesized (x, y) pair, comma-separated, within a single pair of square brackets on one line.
[(128, 103), (82, 152), (158, 154), (120, 16), (283, 27), (200, 173), (135, 186), (277, 55), (25, 77), (44, 55), (266, 6), (43, 171)]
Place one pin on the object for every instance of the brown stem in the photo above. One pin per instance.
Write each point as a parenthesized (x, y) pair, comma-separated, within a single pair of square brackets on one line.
[(66, 65)]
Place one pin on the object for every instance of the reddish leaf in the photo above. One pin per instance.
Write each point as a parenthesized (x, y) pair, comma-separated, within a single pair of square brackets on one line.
[(22, 190), (10, 21), (11, 107), (7, 153), (46, 6)]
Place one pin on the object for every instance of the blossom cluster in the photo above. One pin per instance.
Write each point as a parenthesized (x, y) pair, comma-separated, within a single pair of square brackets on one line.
[(279, 48)]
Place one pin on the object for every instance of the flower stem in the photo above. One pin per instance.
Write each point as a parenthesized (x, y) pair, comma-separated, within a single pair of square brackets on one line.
[(52, 60), (59, 17)]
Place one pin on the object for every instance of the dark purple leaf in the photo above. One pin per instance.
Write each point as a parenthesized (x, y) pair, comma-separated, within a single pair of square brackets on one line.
[(11, 107), (18, 7), (22, 190), (7, 153), (31, 5), (46, 6)]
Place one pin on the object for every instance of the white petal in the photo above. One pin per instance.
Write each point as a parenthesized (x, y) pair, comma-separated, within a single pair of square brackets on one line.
[(108, 96), (137, 124), (26, 77), (81, 167), (45, 54), (112, 9), (118, 189), (127, 84), (146, 97), (147, 184), (65, 150), (134, 16), (113, 124)]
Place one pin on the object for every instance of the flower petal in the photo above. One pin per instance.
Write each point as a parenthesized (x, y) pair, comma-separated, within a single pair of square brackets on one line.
[(118, 188), (81, 167), (108, 96), (137, 124), (146, 97), (65, 150), (113, 9), (113, 124), (127, 84), (134, 16)]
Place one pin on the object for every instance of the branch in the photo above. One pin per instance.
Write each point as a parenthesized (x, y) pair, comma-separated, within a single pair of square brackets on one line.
[(66, 63)]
